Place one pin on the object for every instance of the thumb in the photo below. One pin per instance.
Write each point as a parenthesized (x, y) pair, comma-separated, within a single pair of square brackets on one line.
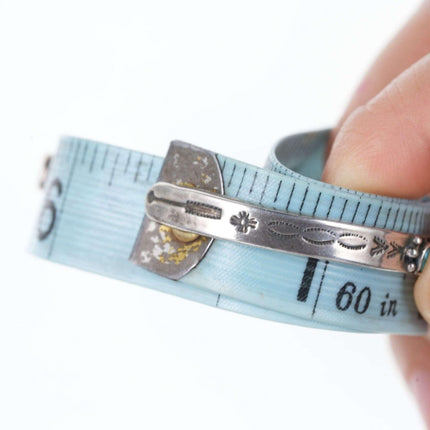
[(384, 148)]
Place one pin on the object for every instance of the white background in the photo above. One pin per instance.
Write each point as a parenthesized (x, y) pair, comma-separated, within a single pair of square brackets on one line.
[(78, 351)]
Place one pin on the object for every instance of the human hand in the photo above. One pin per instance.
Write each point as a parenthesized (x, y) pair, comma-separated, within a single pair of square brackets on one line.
[(382, 146)]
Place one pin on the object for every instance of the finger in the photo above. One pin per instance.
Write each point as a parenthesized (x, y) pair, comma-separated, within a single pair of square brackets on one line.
[(384, 148), (413, 357), (407, 47)]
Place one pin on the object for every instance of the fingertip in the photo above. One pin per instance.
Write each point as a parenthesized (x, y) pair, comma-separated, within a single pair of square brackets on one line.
[(412, 354), (422, 293), (358, 157), (339, 168), (383, 146)]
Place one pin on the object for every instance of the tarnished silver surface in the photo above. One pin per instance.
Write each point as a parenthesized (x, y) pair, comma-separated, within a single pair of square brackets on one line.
[(221, 217), (159, 247)]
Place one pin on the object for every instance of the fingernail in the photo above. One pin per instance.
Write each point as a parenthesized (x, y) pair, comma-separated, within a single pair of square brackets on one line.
[(420, 386)]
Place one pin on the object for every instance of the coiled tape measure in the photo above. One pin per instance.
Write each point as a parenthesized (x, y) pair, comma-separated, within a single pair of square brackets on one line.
[(274, 243)]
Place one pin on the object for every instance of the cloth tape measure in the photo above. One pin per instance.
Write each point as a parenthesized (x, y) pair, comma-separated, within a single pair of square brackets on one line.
[(273, 242)]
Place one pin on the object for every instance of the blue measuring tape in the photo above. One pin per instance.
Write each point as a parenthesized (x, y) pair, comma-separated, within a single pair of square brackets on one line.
[(95, 203)]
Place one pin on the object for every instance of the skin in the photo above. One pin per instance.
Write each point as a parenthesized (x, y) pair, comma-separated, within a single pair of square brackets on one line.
[(382, 145)]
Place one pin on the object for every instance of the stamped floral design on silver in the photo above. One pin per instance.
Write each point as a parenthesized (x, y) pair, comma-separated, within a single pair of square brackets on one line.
[(243, 222)]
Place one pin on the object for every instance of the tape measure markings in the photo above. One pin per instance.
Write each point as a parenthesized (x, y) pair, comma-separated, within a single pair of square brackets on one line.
[(74, 149), (217, 300), (136, 175), (343, 209), (303, 200), (275, 165), (377, 215), (264, 190), (93, 160), (151, 165), (366, 210), (367, 213), (113, 169), (334, 201), (232, 174), (84, 153), (355, 212), (316, 204), (223, 166), (241, 182), (104, 158), (64, 199), (89, 165), (127, 163), (290, 196), (319, 288), (308, 275), (395, 218), (330, 206), (275, 199)]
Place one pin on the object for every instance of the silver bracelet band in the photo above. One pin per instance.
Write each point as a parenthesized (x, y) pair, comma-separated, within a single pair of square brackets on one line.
[(210, 214)]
